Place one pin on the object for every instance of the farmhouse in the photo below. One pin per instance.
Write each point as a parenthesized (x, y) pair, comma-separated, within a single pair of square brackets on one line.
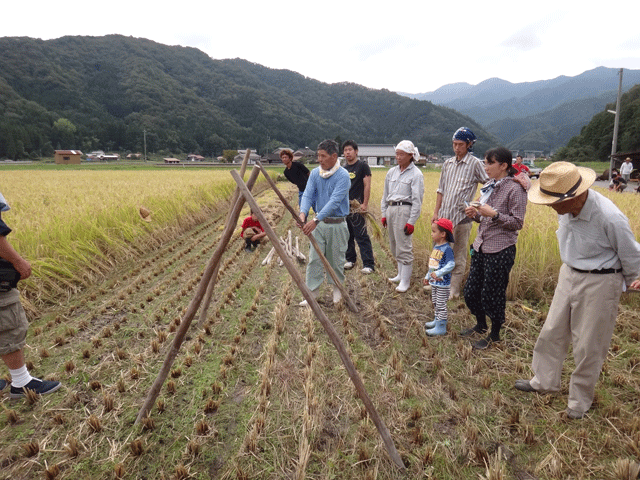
[(171, 160), (241, 153), (376, 155), (192, 157), (134, 156), (65, 157), (95, 155), (305, 152)]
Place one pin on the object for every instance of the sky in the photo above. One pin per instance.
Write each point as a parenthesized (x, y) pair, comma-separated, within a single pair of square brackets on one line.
[(405, 46)]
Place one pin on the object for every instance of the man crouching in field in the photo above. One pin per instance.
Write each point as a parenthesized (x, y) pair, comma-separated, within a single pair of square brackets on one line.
[(13, 321), (599, 255), (327, 189)]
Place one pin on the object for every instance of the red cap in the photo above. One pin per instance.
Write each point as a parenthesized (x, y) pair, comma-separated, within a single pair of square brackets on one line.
[(446, 224)]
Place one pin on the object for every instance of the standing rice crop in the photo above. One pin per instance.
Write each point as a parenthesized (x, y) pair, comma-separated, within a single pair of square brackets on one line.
[(73, 224), (537, 260)]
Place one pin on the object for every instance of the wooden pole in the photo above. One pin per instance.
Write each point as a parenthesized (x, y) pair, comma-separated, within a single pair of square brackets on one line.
[(324, 320), (327, 266), (212, 266), (214, 277)]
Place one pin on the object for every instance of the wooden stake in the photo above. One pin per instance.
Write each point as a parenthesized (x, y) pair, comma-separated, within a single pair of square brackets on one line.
[(214, 277), (324, 320), (211, 267), (327, 266)]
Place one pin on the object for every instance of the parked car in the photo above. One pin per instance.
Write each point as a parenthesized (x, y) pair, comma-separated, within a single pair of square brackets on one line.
[(534, 172)]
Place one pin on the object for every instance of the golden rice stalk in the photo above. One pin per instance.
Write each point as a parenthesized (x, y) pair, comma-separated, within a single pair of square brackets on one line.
[(370, 219), (626, 469), (495, 467)]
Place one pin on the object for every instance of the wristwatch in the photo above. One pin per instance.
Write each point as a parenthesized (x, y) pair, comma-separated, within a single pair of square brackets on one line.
[(315, 219), (496, 216)]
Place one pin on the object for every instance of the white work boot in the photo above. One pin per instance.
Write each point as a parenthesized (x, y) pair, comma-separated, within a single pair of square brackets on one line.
[(337, 295), (405, 279), (315, 294), (398, 277)]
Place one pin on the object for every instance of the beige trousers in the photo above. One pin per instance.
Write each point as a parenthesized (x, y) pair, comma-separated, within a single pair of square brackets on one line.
[(583, 312), (460, 254)]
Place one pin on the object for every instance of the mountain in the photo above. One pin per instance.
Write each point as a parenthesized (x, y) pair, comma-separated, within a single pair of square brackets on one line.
[(595, 138), (545, 114), (103, 92)]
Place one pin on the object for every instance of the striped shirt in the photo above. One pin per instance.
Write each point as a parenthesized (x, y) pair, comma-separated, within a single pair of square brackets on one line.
[(509, 199), (458, 183)]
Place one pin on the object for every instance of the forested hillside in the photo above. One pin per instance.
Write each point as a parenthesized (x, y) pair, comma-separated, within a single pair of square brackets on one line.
[(102, 92), (594, 141)]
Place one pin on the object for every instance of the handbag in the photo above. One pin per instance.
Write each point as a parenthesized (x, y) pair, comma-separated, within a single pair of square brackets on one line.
[(9, 276)]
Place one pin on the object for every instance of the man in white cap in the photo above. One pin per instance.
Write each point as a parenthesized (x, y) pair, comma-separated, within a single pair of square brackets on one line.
[(458, 184), (600, 257), (625, 169), (400, 209)]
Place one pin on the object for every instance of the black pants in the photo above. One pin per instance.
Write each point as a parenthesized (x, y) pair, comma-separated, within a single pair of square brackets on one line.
[(358, 233), (485, 292)]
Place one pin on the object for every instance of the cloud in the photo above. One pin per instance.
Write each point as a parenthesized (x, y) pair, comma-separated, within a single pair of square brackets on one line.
[(523, 40)]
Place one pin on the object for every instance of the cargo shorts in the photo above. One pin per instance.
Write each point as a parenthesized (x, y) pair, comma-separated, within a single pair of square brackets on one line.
[(13, 322)]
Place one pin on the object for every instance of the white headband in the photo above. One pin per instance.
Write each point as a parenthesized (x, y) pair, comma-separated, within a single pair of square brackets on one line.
[(409, 147)]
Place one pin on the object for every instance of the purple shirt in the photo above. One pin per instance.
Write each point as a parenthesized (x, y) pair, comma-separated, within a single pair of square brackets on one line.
[(509, 199)]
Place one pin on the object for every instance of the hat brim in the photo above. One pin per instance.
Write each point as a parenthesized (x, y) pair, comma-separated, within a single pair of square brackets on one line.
[(536, 196)]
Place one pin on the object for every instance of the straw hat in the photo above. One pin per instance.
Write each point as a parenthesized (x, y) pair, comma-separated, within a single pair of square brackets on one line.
[(561, 181), (145, 214)]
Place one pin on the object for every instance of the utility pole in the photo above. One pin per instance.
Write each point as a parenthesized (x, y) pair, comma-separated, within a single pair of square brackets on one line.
[(614, 143), (144, 132)]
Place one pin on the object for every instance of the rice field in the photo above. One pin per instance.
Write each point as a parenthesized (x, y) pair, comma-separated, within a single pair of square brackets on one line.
[(257, 391)]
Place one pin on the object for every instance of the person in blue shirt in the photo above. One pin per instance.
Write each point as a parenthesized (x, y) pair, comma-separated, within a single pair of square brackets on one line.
[(328, 189), (441, 264)]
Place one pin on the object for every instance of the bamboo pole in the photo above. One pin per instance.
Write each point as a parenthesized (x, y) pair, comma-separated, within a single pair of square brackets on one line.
[(207, 275), (207, 298), (326, 323), (327, 266)]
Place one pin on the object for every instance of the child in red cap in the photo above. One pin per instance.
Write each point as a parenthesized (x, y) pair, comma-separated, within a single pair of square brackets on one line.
[(441, 263)]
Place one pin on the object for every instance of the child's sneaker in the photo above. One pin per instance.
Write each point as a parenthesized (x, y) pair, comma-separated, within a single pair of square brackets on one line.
[(41, 387)]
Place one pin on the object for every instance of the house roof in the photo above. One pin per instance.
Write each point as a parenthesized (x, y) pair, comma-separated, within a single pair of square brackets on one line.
[(305, 152), (376, 150), (68, 152)]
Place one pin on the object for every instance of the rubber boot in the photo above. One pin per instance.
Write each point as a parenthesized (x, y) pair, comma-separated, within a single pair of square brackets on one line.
[(432, 324), (315, 294), (405, 279), (398, 277), (247, 245), (337, 295), (439, 329)]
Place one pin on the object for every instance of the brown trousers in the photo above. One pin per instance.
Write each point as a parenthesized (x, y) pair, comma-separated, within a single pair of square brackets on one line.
[(583, 312)]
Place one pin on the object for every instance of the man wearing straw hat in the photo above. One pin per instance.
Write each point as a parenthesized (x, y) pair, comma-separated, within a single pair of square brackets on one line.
[(328, 189), (600, 256), (625, 169)]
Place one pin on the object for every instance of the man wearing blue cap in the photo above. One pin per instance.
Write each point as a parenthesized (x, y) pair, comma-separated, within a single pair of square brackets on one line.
[(459, 181)]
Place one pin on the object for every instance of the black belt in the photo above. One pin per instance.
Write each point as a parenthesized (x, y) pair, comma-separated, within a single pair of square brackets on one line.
[(393, 204), (333, 220), (602, 271)]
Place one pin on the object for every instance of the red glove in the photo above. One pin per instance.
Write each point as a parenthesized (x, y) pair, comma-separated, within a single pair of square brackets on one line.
[(384, 221), (408, 229)]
